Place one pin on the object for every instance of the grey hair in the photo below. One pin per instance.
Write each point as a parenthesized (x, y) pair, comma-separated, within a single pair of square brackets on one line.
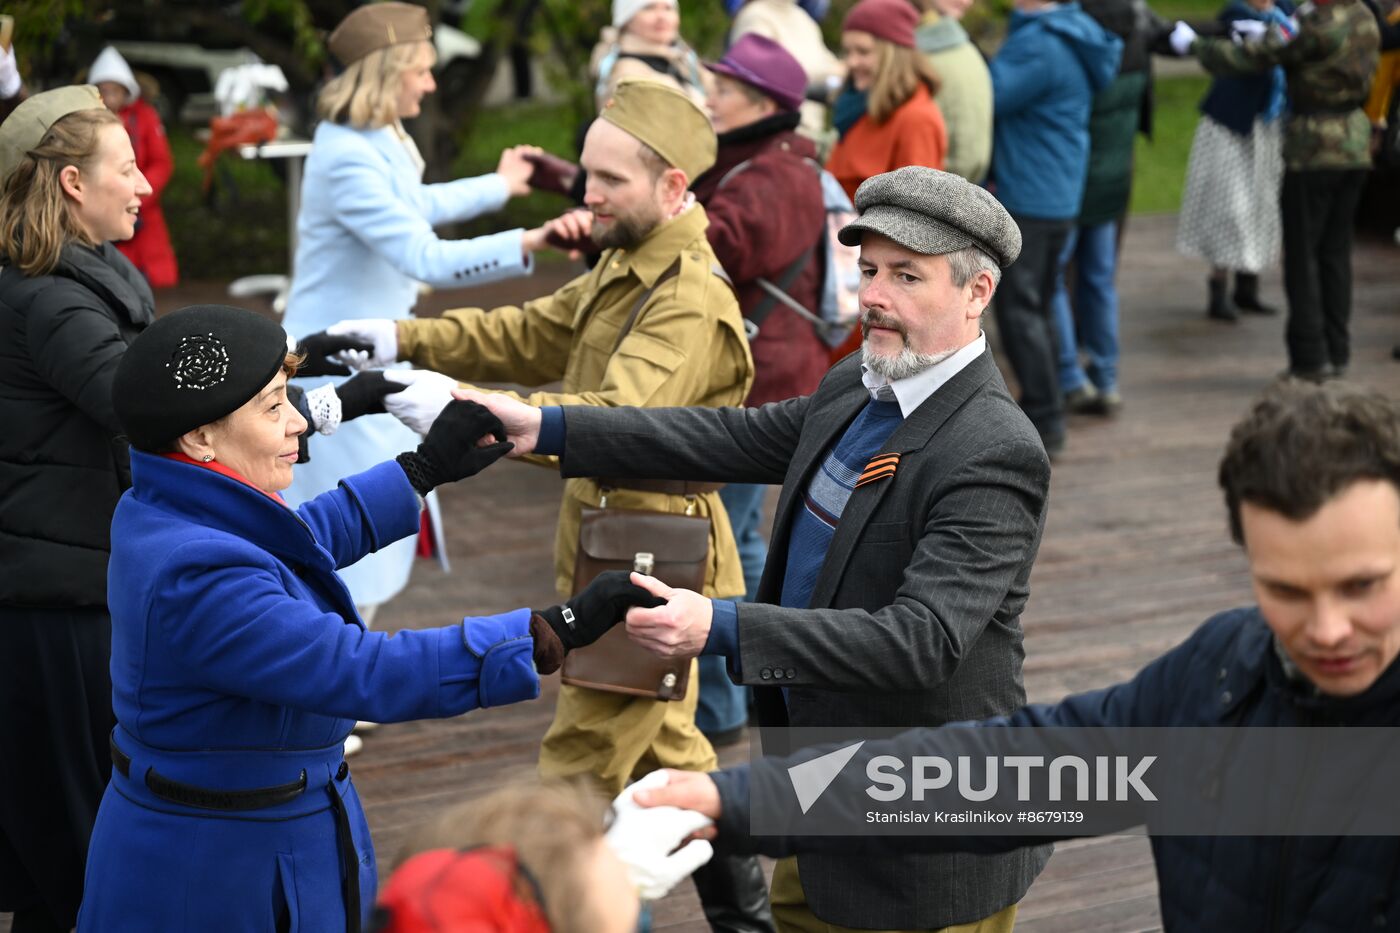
[(965, 263)]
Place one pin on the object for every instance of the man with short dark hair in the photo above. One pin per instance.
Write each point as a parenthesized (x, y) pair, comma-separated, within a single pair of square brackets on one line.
[(1312, 481)]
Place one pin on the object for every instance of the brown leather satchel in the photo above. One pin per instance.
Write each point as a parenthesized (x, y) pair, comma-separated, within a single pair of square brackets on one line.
[(673, 548)]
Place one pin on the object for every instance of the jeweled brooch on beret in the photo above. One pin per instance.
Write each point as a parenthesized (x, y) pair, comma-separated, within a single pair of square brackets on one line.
[(200, 361)]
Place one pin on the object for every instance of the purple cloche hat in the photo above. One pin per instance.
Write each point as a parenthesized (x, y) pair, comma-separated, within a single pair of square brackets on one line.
[(763, 63)]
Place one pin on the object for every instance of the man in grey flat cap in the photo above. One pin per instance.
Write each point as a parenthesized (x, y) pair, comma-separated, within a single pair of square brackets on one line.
[(913, 498)]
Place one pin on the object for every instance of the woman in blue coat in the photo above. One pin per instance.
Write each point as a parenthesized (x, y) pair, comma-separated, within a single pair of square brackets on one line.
[(365, 237), (239, 664)]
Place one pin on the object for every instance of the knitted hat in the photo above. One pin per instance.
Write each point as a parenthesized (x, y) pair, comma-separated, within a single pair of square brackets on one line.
[(764, 64), (377, 26), (193, 367), (110, 66), (666, 120), (25, 127), (891, 20), (443, 889), (624, 10)]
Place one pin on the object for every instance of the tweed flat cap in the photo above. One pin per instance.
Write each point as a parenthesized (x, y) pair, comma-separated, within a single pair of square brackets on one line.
[(191, 368), (25, 127), (378, 26), (666, 120), (933, 212)]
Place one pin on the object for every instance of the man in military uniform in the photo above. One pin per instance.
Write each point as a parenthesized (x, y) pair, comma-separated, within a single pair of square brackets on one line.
[(686, 346), (1326, 152)]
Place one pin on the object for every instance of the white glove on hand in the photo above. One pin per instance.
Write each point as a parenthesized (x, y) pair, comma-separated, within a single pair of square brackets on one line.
[(1181, 38), (383, 334), (426, 396), (643, 839), (1247, 30), (9, 74)]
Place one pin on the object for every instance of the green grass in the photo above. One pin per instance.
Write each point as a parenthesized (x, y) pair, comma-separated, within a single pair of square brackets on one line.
[(1187, 9), (1160, 169)]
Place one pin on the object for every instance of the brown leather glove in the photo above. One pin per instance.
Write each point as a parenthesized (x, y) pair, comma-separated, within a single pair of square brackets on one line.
[(551, 173)]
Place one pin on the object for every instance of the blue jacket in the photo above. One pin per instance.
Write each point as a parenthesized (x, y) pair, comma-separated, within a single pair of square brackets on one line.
[(1226, 674), (1043, 85), (238, 662)]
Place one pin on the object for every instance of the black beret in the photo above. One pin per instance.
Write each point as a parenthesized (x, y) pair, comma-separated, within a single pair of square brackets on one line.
[(193, 367)]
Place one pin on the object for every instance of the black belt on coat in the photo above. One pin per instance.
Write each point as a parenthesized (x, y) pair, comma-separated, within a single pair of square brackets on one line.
[(225, 801)]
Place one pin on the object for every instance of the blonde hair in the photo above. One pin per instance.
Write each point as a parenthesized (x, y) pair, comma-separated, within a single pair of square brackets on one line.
[(36, 221), (898, 75), (554, 828), (366, 95)]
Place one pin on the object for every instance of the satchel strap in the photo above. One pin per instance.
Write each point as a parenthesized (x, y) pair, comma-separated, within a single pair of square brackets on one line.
[(671, 272)]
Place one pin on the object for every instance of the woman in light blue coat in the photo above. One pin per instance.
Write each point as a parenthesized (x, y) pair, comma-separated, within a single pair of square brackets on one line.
[(366, 239)]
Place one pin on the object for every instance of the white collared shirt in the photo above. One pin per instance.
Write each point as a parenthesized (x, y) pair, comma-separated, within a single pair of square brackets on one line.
[(913, 391)]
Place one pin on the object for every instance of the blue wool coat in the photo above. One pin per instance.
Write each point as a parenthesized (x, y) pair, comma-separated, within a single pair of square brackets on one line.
[(238, 662), (365, 241), (1044, 80)]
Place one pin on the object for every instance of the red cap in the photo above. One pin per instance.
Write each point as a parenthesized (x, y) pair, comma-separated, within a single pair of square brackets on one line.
[(891, 20), (475, 891)]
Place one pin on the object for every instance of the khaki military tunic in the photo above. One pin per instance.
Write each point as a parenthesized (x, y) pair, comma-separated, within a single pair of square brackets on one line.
[(687, 347)]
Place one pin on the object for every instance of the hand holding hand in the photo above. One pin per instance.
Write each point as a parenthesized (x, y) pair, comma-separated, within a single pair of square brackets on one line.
[(568, 233), (548, 172), (1182, 38), (1247, 30), (451, 451), (521, 421), (425, 395), (514, 166), (645, 840), (364, 394), (323, 353), (381, 335), (688, 790), (596, 608), (677, 629)]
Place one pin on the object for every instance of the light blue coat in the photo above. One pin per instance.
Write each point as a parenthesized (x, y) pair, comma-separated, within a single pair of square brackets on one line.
[(365, 240)]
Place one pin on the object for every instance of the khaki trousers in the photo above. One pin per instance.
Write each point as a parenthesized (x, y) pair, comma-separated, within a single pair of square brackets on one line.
[(618, 738), (791, 914)]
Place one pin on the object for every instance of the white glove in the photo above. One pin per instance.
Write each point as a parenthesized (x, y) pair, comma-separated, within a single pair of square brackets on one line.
[(426, 396), (643, 839), (383, 334), (1181, 38), (9, 74), (1247, 30)]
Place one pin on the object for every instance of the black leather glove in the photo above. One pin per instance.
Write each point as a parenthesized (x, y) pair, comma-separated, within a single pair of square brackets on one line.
[(363, 394), (319, 346), (449, 452), (551, 173), (598, 607)]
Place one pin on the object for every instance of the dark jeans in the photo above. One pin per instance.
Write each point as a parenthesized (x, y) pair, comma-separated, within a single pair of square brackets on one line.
[(1318, 207), (1025, 319)]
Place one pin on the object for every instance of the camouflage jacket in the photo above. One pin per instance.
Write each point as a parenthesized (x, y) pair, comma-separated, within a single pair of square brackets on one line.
[(1329, 65)]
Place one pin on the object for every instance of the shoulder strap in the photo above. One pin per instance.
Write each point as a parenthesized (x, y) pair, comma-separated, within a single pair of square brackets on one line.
[(671, 272)]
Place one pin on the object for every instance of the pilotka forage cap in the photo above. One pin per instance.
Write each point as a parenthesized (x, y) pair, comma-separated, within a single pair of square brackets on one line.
[(193, 367), (933, 212), (378, 26), (666, 120), (25, 127)]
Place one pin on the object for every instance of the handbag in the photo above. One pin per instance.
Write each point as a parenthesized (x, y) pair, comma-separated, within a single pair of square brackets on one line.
[(673, 548)]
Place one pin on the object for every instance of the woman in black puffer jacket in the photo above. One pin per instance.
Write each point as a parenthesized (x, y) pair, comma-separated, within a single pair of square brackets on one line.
[(69, 306)]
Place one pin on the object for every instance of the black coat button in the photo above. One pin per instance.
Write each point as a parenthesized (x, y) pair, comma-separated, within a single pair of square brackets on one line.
[(343, 770), (791, 673), (766, 673)]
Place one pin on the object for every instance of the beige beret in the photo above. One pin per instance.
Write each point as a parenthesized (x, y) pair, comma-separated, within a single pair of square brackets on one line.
[(378, 26), (25, 127), (666, 120)]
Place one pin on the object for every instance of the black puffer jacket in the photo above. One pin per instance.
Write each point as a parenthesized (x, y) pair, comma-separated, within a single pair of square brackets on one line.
[(63, 463)]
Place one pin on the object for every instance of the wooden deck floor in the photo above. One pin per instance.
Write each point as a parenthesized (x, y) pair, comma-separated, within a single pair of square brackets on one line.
[(1135, 555)]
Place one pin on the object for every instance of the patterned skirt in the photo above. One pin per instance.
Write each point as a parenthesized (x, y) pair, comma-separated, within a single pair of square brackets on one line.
[(1230, 208)]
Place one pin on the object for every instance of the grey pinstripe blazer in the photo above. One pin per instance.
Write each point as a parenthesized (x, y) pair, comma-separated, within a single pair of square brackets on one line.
[(915, 618)]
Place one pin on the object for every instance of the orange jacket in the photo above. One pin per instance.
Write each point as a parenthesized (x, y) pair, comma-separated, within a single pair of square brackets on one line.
[(913, 135)]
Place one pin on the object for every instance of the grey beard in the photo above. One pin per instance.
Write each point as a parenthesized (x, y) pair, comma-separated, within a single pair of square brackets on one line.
[(906, 364)]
